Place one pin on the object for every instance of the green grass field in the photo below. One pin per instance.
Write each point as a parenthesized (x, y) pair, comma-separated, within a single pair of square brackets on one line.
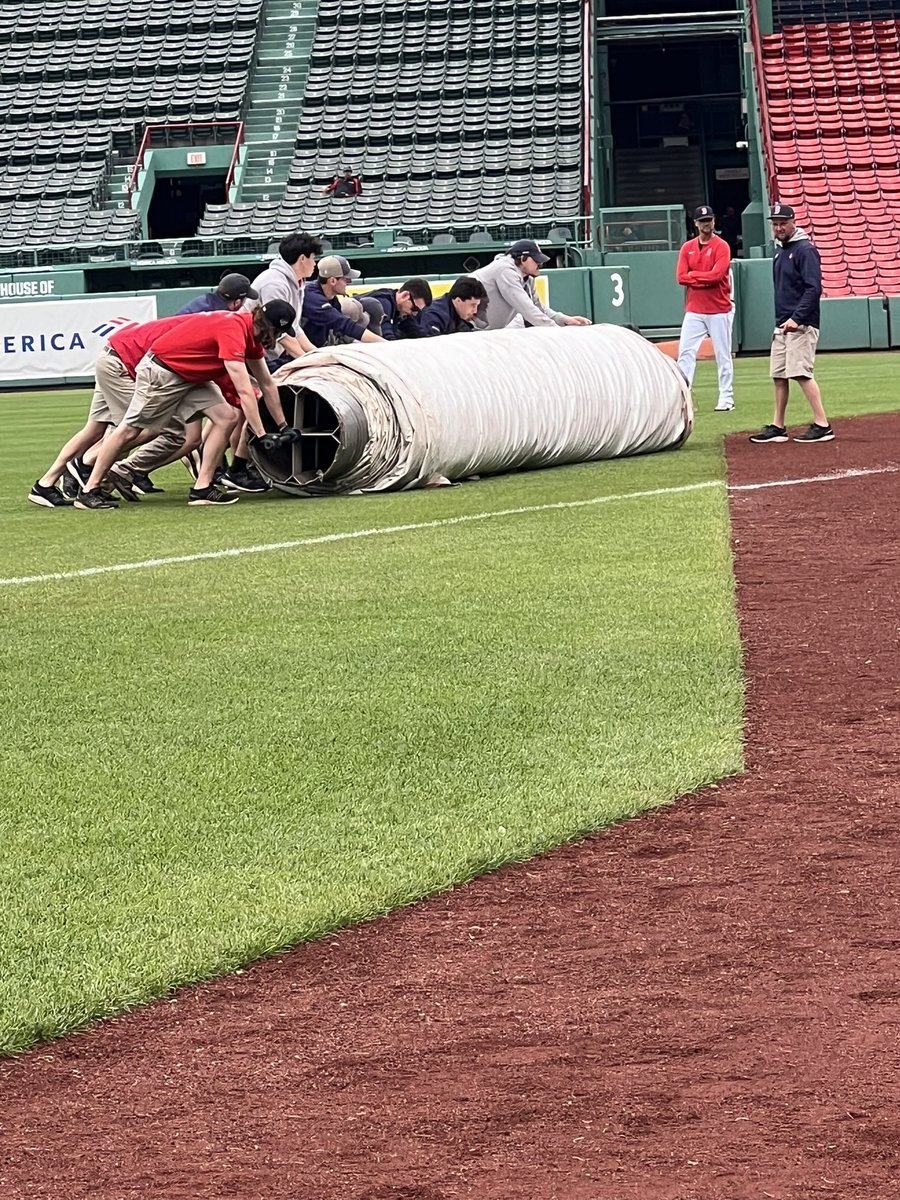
[(207, 761)]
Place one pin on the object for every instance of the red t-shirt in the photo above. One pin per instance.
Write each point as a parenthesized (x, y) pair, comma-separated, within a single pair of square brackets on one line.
[(706, 273), (197, 347), (132, 344)]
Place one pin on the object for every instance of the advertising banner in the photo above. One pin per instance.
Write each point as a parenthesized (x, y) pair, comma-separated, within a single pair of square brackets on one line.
[(60, 339)]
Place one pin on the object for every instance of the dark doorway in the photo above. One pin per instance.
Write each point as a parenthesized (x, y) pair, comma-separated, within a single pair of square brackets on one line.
[(178, 204)]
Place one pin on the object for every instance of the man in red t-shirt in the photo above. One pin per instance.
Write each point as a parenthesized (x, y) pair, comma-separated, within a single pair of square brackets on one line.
[(114, 374), (704, 269), (173, 380)]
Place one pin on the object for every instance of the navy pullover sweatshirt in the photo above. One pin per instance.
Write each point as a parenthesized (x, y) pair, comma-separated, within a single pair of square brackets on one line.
[(797, 271)]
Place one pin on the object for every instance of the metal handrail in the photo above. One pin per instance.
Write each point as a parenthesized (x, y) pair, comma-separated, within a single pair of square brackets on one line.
[(150, 130), (762, 102)]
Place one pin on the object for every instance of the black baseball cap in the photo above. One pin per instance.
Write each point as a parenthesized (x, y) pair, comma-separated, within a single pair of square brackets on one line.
[(528, 249), (281, 315), (236, 287), (704, 213), (781, 212)]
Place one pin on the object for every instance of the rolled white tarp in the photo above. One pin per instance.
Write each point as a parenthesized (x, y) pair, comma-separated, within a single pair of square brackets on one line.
[(405, 414)]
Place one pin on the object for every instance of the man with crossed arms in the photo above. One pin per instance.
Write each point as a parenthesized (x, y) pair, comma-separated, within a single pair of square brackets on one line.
[(704, 270)]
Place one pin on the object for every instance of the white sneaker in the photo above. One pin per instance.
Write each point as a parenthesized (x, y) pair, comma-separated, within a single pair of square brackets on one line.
[(724, 406)]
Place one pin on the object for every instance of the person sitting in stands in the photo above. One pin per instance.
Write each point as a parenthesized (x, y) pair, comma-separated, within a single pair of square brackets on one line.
[(345, 184), (454, 312)]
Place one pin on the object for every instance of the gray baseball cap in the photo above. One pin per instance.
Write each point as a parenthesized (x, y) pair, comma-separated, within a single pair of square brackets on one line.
[(335, 266)]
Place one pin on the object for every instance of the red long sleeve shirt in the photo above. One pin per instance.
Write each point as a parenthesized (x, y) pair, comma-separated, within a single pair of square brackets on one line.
[(705, 270)]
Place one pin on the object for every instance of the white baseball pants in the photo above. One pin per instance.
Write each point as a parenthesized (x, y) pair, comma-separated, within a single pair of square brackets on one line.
[(717, 327)]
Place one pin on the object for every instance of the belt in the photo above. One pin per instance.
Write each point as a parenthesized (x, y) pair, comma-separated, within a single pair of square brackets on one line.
[(159, 362), (113, 352)]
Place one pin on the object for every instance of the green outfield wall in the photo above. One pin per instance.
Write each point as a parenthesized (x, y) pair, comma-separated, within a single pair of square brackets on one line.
[(635, 289)]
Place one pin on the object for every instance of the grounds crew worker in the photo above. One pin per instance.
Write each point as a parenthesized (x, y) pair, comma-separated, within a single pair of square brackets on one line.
[(170, 382), (454, 312), (323, 321), (511, 295)]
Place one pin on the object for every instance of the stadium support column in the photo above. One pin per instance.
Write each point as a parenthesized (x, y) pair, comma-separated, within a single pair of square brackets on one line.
[(754, 223)]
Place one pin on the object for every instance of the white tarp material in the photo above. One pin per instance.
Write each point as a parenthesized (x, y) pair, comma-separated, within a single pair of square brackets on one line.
[(484, 403), (59, 339)]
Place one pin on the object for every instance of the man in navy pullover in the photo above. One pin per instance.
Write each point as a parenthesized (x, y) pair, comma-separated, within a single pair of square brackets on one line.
[(230, 295), (401, 307), (323, 322), (797, 274), (455, 312)]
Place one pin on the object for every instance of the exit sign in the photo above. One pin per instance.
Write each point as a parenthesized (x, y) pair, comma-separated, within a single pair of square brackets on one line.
[(196, 158)]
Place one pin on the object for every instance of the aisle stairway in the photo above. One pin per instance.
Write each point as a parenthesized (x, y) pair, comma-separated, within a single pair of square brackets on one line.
[(283, 53)]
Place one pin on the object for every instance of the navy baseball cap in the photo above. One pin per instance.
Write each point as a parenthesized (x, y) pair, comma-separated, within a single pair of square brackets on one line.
[(704, 213), (281, 315), (781, 212), (236, 287), (528, 249)]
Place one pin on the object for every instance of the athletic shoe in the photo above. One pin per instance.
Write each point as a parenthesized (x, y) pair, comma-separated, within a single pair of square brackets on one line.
[(70, 488), (142, 484), (724, 406), (244, 480), (48, 497), (210, 495), (816, 433), (771, 433), (191, 463), (121, 481), (79, 470), (93, 499)]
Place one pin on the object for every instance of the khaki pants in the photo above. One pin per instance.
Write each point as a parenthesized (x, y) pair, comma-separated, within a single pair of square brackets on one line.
[(113, 389), (161, 397)]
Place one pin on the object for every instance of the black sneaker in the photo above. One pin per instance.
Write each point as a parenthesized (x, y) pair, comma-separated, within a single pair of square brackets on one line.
[(244, 481), (816, 433), (191, 463), (93, 499), (79, 470), (48, 497), (70, 488), (771, 433), (121, 481), (143, 484), (211, 495)]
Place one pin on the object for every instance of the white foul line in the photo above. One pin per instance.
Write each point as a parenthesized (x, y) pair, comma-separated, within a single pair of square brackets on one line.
[(848, 473), (380, 531), (350, 535)]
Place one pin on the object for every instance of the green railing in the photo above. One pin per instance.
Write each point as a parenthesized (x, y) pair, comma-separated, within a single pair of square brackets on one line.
[(564, 231), (628, 230)]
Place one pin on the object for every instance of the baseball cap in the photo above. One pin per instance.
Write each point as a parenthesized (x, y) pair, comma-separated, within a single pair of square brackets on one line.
[(781, 212), (335, 266), (281, 315), (703, 213), (528, 249), (236, 287)]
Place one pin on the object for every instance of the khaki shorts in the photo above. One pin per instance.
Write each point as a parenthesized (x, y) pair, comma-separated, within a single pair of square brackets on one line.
[(161, 396), (113, 389), (793, 355)]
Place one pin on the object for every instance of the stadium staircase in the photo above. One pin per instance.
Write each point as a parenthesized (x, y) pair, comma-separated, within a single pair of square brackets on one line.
[(276, 100), (832, 92)]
